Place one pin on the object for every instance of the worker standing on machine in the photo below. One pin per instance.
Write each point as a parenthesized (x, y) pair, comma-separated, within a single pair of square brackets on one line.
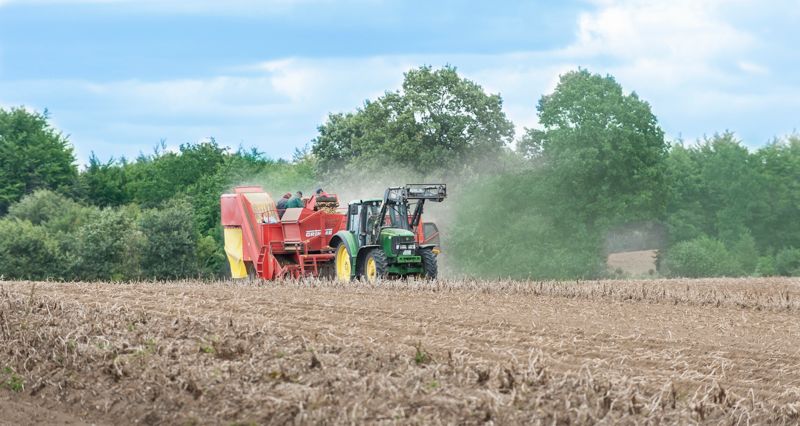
[(281, 204), (296, 201)]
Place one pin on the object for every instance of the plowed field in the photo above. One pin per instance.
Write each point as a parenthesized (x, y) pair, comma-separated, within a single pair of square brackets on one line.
[(673, 351)]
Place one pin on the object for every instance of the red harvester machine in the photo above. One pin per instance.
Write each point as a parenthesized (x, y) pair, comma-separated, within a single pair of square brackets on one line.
[(259, 243)]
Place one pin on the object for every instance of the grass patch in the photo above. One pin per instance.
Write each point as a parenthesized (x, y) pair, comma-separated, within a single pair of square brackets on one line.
[(421, 356), (14, 382)]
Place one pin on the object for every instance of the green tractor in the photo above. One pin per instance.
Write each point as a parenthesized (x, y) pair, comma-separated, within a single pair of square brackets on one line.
[(384, 238)]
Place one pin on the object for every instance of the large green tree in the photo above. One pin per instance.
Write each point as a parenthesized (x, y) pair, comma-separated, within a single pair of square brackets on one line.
[(438, 120), (33, 155), (604, 150), (598, 161)]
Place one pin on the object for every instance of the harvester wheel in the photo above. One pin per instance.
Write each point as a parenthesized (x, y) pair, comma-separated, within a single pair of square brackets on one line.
[(376, 266), (343, 264), (429, 267)]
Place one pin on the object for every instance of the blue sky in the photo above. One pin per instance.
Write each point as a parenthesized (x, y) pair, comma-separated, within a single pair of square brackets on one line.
[(120, 75)]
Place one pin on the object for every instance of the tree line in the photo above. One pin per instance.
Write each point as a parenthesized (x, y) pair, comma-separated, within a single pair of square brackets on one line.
[(547, 204)]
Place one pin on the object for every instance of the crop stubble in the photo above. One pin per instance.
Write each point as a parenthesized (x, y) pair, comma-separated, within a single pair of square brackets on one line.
[(673, 351)]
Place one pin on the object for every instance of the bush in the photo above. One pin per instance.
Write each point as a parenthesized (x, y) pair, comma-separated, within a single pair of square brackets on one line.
[(700, 257), (107, 248), (766, 267), (27, 251), (211, 260), (745, 254), (171, 241), (787, 262), (54, 211)]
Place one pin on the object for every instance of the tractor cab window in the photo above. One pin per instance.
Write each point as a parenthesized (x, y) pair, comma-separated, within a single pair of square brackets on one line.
[(373, 210), (396, 216), (354, 221)]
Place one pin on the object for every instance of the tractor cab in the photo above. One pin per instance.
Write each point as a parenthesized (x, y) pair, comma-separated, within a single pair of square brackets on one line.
[(366, 222)]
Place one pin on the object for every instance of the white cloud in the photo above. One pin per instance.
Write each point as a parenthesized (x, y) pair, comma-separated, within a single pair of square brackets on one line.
[(701, 64), (753, 68), (670, 42), (685, 29)]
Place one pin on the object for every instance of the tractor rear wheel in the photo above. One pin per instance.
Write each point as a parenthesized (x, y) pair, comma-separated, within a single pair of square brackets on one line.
[(429, 266), (376, 266), (344, 267)]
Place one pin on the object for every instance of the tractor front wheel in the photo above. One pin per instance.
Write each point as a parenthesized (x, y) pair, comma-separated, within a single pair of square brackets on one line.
[(376, 266), (429, 266), (344, 267)]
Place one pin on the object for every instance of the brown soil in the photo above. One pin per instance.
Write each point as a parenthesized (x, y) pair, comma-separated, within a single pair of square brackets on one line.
[(669, 351), (21, 409)]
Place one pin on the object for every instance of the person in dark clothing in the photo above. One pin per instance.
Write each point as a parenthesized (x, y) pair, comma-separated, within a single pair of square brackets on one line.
[(281, 204), (296, 201)]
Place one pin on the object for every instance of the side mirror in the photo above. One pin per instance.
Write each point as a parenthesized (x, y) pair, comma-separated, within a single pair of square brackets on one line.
[(353, 209)]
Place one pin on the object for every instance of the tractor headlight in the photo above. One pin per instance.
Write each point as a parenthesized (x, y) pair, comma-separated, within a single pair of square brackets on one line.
[(401, 244)]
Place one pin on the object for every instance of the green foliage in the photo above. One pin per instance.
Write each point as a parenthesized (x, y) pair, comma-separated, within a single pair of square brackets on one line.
[(108, 247), (766, 267), (775, 203), (719, 188), (32, 155), (104, 184), (13, 382), (170, 241), (599, 161), (437, 121), (27, 251), (787, 262), (152, 180), (421, 356), (54, 212), (700, 257), (498, 235), (211, 258), (748, 200), (745, 254), (604, 150), (730, 181)]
